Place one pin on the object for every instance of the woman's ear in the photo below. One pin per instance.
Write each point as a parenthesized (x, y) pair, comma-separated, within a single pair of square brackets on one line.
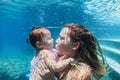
[(76, 45), (38, 44)]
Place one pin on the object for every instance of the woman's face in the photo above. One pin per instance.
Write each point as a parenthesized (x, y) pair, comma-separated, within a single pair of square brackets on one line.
[(63, 43)]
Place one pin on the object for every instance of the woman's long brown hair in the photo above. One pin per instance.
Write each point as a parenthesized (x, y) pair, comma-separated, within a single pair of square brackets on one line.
[(89, 50)]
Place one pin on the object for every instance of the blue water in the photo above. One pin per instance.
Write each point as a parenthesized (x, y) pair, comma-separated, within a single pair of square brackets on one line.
[(17, 17)]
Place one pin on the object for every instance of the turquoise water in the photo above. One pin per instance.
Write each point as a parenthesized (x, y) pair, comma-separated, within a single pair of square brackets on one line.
[(17, 17)]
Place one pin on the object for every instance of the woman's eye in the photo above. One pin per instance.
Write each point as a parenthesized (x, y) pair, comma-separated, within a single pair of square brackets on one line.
[(49, 37)]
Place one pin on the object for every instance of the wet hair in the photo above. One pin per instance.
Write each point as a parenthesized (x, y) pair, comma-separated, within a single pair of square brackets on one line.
[(89, 50), (36, 34)]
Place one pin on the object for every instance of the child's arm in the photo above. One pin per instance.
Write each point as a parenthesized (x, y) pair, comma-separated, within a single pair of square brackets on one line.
[(51, 62)]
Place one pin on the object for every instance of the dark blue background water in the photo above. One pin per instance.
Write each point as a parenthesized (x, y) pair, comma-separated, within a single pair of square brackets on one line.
[(101, 17)]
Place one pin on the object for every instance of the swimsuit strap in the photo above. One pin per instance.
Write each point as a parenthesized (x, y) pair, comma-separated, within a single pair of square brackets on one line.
[(55, 54)]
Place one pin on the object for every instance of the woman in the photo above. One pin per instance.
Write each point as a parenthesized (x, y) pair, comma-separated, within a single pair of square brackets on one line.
[(77, 42)]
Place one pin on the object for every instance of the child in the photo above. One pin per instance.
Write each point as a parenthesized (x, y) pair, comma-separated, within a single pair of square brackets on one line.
[(40, 39)]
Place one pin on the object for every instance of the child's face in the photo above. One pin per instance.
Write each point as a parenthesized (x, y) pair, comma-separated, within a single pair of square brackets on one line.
[(47, 41)]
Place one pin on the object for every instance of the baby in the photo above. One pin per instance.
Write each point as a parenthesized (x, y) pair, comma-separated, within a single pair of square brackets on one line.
[(40, 39)]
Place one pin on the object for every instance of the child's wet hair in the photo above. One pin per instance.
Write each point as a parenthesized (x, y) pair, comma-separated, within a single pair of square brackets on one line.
[(33, 28), (36, 34)]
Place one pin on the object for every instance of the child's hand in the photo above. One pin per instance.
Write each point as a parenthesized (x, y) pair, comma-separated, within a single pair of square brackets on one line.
[(71, 60), (74, 63)]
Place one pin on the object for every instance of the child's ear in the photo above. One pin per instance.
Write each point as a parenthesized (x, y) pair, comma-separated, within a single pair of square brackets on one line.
[(76, 45), (38, 44)]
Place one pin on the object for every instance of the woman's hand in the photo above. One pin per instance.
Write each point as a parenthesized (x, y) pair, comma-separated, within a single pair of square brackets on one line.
[(44, 72)]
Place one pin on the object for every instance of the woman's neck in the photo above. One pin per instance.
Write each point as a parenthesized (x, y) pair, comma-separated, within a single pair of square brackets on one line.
[(62, 57), (62, 74)]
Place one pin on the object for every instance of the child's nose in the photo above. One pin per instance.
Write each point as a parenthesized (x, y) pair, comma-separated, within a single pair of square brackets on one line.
[(56, 40)]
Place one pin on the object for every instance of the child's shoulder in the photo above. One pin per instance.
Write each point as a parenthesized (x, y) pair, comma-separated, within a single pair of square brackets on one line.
[(45, 52), (48, 51)]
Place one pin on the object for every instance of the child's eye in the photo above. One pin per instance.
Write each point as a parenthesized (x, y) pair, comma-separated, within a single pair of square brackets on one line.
[(61, 37)]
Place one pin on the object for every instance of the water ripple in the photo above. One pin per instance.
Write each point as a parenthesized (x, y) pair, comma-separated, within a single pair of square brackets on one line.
[(104, 10)]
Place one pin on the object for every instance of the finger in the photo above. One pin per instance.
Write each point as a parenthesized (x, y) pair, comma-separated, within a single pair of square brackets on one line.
[(44, 66)]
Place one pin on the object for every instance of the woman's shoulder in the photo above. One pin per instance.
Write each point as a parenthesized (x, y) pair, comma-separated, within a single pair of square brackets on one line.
[(84, 69), (80, 72)]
